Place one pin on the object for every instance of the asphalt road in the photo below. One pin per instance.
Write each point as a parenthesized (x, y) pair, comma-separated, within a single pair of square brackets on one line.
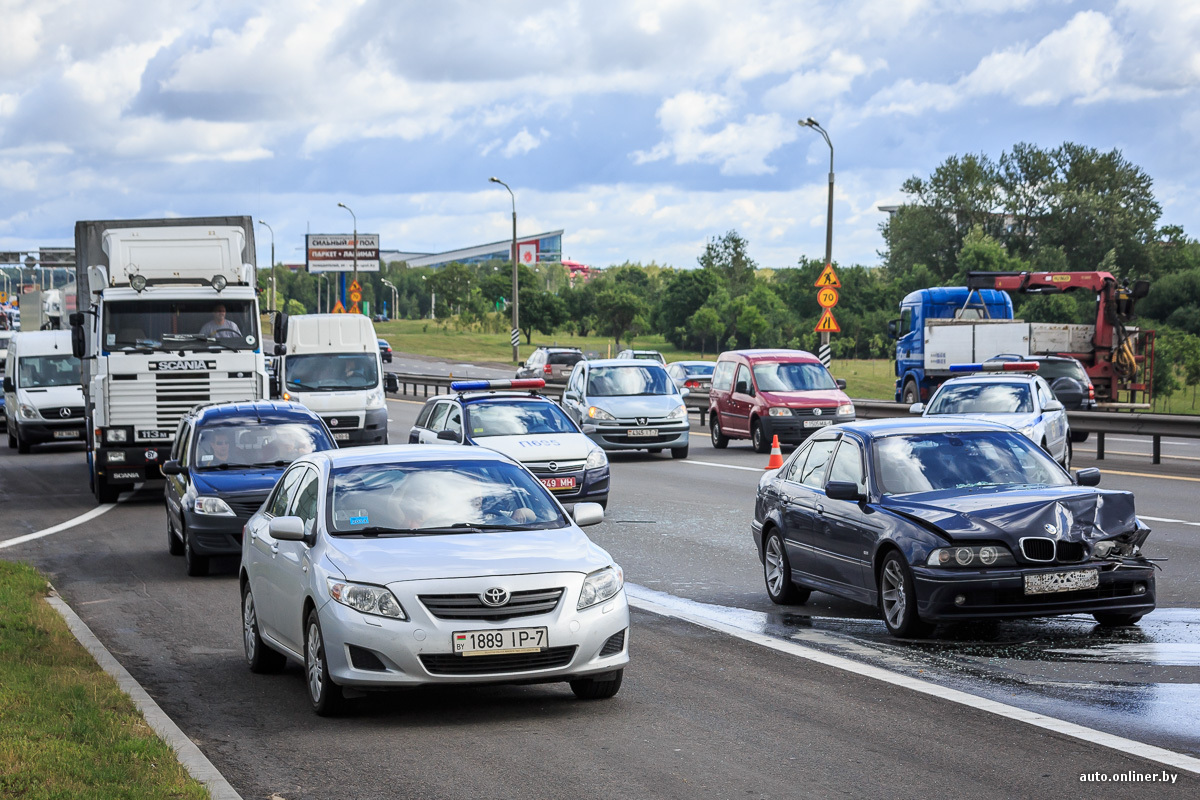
[(702, 714)]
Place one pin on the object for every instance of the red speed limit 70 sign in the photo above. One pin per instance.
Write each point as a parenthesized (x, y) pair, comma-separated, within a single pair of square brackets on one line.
[(827, 297)]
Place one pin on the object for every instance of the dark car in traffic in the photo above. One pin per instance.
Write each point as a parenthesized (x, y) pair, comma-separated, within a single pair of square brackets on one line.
[(551, 364), (385, 351), (934, 522), (225, 460)]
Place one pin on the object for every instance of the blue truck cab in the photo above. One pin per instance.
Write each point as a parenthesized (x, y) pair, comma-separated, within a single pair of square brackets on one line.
[(913, 385)]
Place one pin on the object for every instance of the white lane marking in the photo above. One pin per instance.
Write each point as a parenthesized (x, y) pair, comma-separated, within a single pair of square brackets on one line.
[(722, 466), (678, 608), (1165, 519), (62, 526)]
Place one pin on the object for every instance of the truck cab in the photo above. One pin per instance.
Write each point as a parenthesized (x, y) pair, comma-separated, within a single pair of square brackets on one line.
[(331, 363), (914, 382)]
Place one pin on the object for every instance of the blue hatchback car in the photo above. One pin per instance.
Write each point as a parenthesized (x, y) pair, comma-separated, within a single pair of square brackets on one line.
[(225, 460)]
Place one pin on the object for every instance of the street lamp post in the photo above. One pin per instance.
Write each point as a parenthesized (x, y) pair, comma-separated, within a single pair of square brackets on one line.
[(274, 303), (395, 296), (355, 218), (812, 123), (516, 327)]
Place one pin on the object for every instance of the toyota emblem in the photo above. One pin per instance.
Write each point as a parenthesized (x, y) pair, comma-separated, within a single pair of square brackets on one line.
[(151, 455), (64, 412), (816, 412), (494, 597), (553, 466), (333, 423)]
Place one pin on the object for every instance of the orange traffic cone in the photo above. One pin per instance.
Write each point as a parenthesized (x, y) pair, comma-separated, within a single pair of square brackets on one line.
[(776, 460)]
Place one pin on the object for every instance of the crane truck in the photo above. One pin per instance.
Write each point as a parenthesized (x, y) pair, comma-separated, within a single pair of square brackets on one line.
[(168, 319)]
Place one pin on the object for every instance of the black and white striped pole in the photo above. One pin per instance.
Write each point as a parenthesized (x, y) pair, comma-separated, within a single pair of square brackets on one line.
[(516, 325), (812, 123)]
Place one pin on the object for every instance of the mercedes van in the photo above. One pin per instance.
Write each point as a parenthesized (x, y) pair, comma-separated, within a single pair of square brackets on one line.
[(330, 363), (42, 390)]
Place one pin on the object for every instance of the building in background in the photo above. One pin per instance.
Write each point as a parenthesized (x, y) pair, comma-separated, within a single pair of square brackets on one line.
[(539, 248)]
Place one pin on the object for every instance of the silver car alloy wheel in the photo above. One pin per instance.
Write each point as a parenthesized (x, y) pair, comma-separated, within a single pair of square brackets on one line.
[(249, 621), (774, 566), (316, 664), (894, 598)]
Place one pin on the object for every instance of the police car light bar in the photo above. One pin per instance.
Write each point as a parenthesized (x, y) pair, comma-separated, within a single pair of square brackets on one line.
[(996, 366), (483, 386)]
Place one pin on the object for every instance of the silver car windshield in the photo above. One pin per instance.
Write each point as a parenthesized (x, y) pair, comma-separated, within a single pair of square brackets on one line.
[(516, 418), (983, 398), (625, 381), (438, 497), (931, 462)]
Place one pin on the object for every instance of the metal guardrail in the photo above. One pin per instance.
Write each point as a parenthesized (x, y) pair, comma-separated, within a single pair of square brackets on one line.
[(1099, 423)]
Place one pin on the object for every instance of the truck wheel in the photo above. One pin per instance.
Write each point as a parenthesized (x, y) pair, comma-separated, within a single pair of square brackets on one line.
[(104, 492), (12, 440), (910, 394)]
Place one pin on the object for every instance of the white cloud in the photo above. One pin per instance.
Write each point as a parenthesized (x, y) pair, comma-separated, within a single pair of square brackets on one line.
[(18, 176), (524, 142)]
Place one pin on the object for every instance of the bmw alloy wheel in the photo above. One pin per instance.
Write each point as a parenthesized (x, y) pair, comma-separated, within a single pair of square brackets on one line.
[(773, 558), (895, 600)]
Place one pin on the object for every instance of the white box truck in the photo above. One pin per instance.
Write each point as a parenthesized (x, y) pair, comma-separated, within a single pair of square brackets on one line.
[(330, 363), (168, 319), (42, 387)]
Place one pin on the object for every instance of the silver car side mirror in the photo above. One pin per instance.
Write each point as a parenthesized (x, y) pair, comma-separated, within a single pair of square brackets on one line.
[(916, 408), (588, 514), (286, 529)]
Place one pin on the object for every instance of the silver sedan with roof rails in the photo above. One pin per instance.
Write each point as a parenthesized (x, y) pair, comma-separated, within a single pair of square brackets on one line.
[(623, 404), (389, 567)]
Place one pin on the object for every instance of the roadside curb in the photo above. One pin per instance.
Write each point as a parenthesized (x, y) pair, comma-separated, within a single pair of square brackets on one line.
[(189, 755)]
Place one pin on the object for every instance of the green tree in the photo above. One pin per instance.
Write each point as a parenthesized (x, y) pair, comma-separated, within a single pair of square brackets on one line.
[(619, 308), (706, 324), (541, 311), (726, 257)]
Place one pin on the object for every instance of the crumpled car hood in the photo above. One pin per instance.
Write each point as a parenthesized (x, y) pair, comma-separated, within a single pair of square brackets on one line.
[(1071, 513)]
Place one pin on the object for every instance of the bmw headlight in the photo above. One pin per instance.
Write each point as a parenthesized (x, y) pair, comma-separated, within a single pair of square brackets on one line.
[(375, 398), (595, 412), (596, 459), (977, 556), (779, 412), (212, 505), (678, 413), (27, 411), (600, 586), (367, 599)]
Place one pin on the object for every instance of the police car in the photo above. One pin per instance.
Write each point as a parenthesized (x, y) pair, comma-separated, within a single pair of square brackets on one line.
[(1016, 398), (525, 426)]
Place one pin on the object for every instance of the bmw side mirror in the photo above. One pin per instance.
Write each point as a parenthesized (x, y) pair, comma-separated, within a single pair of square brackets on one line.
[(916, 408), (448, 436), (1088, 477), (841, 384), (8, 385), (843, 490), (171, 467), (286, 529), (587, 514)]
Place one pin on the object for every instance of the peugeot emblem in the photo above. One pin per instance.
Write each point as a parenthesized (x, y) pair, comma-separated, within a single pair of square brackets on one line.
[(64, 412), (642, 420), (495, 596), (553, 466), (333, 423), (816, 412)]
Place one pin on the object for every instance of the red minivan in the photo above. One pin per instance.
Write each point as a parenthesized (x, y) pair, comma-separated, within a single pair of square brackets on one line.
[(757, 394)]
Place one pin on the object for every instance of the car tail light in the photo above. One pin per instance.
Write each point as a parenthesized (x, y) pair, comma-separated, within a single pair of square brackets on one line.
[(548, 370), (1091, 392), (692, 384)]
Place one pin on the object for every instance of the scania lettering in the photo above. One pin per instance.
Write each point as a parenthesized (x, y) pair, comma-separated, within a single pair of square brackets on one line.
[(167, 320)]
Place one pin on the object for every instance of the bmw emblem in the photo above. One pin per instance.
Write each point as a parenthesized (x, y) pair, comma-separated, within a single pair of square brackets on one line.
[(494, 597), (817, 412)]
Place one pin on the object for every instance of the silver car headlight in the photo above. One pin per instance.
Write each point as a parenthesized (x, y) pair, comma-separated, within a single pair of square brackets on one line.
[(600, 586), (596, 412), (27, 411), (212, 505), (368, 599), (596, 459), (678, 413)]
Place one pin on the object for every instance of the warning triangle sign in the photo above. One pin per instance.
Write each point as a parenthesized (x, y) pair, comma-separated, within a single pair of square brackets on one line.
[(828, 278), (827, 324), (338, 308)]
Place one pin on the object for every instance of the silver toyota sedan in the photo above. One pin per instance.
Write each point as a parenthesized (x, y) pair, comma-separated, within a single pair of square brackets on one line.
[(387, 567)]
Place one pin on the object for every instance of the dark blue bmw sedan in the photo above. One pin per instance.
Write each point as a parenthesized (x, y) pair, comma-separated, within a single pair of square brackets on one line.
[(933, 521), (224, 462)]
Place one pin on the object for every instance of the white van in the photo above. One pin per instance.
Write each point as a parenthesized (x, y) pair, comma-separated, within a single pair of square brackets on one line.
[(330, 363), (42, 391)]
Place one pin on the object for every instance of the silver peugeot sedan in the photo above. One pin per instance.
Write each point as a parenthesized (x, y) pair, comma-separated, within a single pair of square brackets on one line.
[(627, 404), (386, 567)]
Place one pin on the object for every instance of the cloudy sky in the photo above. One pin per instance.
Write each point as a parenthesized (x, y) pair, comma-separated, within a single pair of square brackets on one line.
[(642, 128)]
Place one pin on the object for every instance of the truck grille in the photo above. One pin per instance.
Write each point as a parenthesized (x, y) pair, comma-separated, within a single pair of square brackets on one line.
[(72, 412), (159, 400)]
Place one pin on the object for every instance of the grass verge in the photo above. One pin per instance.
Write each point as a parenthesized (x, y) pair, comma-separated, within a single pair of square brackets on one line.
[(66, 730)]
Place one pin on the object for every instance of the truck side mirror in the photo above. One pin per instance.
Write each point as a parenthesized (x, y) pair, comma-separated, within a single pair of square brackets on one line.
[(78, 346), (8, 385), (279, 323), (280, 349), (75, 319), (894, 329)]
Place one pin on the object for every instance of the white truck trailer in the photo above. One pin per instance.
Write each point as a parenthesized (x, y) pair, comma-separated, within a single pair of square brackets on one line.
[(168, 319)]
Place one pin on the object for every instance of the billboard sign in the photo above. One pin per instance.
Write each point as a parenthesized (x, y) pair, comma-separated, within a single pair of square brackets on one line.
[(527, 253), (334, 252)]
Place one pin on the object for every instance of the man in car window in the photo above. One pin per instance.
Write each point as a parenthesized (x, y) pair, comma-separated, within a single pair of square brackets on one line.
[(219, 327), (221, 443)]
